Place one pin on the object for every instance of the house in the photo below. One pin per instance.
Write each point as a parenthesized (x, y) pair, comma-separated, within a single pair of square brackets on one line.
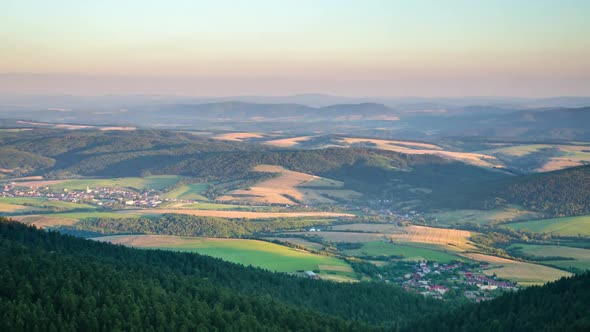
[(311, 275)]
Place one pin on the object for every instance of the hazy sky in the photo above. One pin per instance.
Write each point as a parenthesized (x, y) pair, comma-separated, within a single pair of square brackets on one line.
[(345, 47)]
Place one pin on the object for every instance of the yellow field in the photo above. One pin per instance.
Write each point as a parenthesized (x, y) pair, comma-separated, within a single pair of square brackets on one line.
[(347, 236), (450, 238), (38, 183), (7, 207), (42, 221), (237, 137), (425, 148), (281, 189), (288, 142), (373, 228), (238, 214), (521, 272)]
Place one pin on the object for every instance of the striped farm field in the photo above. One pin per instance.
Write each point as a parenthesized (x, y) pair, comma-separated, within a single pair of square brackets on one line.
[(522, 272)]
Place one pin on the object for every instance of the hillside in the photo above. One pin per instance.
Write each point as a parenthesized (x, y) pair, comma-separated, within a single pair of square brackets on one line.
[(160, 289), (112, 287)]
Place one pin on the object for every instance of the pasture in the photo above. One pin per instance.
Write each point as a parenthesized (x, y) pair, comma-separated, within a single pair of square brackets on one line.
[(67, 218), (191, 191), (407, 251), (524, 273), (156, 182), (257, 253), (566, 226), (494, 216), (581, 257), (26, 204)]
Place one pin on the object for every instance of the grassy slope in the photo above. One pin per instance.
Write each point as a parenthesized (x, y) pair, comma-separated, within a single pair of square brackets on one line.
[(158, 182), (581, 256), (262, 254), (567, 226)]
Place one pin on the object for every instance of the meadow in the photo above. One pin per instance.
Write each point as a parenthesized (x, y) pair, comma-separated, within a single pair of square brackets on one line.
[(407, 251), (156, 182), (494, 216), (522, 272), (566, 226), (581, 257), (266, 255), (21, 204), (191, 191)]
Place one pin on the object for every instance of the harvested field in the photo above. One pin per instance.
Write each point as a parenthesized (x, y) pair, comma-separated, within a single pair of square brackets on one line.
[(425, 148), (44, 221), (237, 214), (346, 236), (372, 228), (237, 137), (8, 208), (289, 188), (450, 238), (521, 272), (288, 142), (39, 183)]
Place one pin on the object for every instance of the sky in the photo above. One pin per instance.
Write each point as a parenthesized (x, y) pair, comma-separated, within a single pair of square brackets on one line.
[(529, 48)]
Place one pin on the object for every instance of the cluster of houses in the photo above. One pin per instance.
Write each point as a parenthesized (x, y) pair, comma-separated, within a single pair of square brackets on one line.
[(101, 196), (435, 280)]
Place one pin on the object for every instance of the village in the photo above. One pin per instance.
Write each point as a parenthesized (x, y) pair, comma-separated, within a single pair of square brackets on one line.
[(107, 198), (443, 281)]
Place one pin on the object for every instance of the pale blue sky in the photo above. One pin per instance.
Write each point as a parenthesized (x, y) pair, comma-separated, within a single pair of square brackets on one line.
[(347, 47)]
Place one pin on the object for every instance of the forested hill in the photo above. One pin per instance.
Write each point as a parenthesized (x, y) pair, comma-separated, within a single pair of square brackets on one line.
[(559, 193), (386, 174), (558, 306), (55, 282)]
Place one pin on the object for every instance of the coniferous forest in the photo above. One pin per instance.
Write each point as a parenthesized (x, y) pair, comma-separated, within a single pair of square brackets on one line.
[(55, 282)]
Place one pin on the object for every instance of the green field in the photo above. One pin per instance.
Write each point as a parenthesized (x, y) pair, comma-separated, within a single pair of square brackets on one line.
[(157, 182), (261, 254), (483, 216), (581, 256), (191, 191), (567, 226), (41, 204), (408, 251)]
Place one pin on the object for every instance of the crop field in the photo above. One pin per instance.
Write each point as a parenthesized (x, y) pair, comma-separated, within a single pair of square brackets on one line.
[(346, 236), (219, 206), (563, 156), (407, 251), (7, 208), (41, 204), (484, 216), (261, 254), (425, 148), (581, 257), (287, 188), (288, 142), (236, 214), (372, 228), (191, 191), (566, 226), (296, 241), (156, 182), (237, 137), (521, 272), (452, 239)]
